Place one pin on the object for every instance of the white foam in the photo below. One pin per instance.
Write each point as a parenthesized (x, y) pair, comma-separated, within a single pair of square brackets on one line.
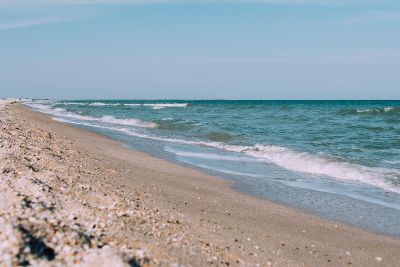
[(159, 105), (40, 107), (133, 105), (305, 162), (166, 105), (367, 110), (211, 156), (130, 122), (318, 165), (99, 104), (74, 103), (106, 119), (94, 104)]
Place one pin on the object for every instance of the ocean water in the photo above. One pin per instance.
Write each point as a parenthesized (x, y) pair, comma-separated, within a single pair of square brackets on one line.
[(337, 159)]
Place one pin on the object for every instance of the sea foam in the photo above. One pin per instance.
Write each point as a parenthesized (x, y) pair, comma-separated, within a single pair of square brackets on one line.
[(306, 162), (100, 104), (129, 122), (384, 110), (212, 156), (166, 105), (159, 105), (106, 119)]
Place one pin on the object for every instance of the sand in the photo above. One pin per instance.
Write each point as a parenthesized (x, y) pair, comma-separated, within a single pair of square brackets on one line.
[(73, 197)]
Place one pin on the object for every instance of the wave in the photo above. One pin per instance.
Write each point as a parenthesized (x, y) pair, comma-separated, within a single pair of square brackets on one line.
[(211, 156), (157, 105), (94, 104), (321, 165), (385, 110), (166, 105), (130, 122), (105, 119), (153, 105), (133, 105), (73, 103), (100, 104)]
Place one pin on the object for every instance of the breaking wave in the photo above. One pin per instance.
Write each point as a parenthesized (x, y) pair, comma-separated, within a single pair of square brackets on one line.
[(360, 111), (166, 105), (286, 158), (102, 104), (97, 104), (60, 112)]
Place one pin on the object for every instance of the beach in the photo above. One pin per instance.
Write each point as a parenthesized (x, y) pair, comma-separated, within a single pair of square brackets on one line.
[(70, 196)]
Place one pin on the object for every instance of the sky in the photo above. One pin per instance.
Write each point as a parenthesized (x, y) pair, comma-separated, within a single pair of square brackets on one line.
[(191, 49)]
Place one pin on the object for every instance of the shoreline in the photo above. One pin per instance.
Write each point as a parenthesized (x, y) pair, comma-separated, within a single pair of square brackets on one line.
[(337, 202), (212, 223)]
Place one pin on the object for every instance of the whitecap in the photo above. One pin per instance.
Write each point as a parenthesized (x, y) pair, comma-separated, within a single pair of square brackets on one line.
[(166, 105), (73, 103), (60, 112), (99, 104), (129, 122), (367, 110)]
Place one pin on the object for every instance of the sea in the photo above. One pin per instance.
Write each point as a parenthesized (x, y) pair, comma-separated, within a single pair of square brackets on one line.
[(339, 160)]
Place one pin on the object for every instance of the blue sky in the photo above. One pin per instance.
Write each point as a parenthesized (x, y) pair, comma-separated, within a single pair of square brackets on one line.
[(265, 49)]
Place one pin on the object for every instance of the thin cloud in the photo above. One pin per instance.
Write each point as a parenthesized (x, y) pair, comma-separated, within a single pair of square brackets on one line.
[(374, 16), (29, 23), (36, 3), (305, 2), (363, 57), (50, 3)]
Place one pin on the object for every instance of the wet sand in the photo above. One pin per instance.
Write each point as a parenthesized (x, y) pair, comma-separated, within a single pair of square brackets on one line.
[(148, 211)]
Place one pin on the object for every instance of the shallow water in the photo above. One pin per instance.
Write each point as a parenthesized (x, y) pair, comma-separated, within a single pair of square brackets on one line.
[(338, 159)]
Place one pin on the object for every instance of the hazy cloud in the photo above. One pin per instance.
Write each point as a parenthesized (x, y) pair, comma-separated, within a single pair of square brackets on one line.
[(36, 3), (49, 3), (315, 2), (28, 23), (374, 16)]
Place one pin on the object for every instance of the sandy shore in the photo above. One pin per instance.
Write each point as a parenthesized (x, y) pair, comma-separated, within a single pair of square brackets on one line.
[(72, 197)]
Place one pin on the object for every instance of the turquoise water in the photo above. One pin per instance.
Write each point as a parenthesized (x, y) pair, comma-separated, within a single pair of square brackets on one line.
[(338, 159)]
